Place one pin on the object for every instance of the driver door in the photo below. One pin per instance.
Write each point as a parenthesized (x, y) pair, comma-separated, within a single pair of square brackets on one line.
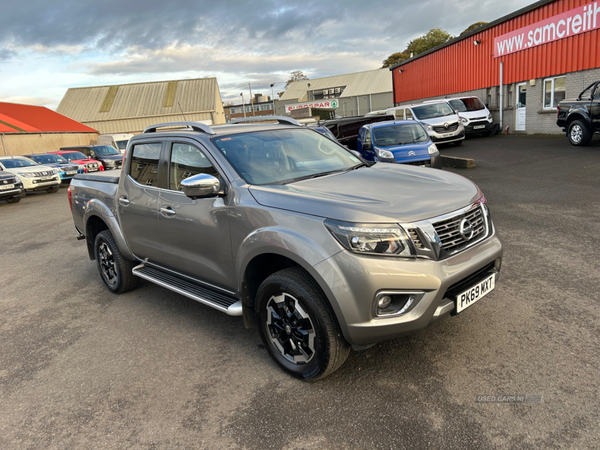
[(194, 232)]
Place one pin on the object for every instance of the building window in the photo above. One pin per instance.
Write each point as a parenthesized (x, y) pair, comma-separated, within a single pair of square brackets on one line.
[(232, 110), (554, 91)]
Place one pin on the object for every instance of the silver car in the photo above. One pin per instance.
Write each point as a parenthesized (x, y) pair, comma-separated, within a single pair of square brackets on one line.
[(319, 250)]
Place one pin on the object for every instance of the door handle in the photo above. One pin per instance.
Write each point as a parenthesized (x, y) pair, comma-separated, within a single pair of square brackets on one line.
[(124, 201), (167, 212)]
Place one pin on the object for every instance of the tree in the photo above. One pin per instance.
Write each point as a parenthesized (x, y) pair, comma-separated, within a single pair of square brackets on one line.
[(433, 38), (296, 75), (473, 27)]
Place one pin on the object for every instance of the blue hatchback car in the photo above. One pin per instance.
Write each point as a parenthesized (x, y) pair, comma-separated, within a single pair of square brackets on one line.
[(398, 141), (65, 169)]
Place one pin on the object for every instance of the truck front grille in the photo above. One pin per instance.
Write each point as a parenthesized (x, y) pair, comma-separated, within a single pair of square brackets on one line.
[(454, 232)]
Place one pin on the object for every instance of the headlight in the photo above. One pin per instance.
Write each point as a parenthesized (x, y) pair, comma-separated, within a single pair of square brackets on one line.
[(432, 149), (26, 175), (464, 120), (428, 127), (371, 239), (52, 172), (489, 117), (385, 154)]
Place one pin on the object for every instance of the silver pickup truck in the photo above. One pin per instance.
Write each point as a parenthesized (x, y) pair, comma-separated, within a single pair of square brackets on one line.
[(319, 250)]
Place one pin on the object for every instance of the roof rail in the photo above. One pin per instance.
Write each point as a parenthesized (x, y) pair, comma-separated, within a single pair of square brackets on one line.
[(281, 119), (196, 126)]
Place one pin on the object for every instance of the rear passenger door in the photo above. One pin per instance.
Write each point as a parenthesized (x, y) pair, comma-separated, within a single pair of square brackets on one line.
[(137, 201), (194, 232)]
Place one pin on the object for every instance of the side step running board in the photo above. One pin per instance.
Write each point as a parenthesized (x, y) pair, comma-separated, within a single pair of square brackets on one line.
[(222, 302)]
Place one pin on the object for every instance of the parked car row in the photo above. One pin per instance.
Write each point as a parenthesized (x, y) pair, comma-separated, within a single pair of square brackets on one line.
[(47, 171)]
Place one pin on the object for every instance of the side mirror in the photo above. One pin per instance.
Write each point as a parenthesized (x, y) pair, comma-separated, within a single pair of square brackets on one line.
[(201, 186), (366, 146)]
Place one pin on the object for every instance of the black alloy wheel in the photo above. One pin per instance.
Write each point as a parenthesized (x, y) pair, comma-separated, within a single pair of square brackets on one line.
[(298, 325), (114, 269)]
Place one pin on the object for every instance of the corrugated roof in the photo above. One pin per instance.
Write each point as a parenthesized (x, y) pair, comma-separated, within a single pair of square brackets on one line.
[(359, 83), (16, 118), (136, 100)]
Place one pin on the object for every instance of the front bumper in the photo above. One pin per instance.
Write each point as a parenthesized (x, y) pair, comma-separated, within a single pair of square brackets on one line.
[(18, 191), (37, 184), (444, 139), (353, 281), (487, 127)]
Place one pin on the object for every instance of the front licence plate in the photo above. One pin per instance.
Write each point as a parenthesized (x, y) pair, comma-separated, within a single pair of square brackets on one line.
[(478, 127), (8, 186), (72, 172), (480, 290), (47, 178)]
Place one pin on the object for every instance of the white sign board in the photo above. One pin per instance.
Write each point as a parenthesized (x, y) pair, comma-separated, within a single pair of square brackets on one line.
[(316, 104)]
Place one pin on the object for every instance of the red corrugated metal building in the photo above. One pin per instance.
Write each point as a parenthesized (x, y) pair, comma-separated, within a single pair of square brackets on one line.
[(545, 51), (35, 129)]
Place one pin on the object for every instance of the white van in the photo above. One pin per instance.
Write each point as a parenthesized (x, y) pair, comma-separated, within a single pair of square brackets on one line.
[(439, 119), (118, 141), (475, 117)]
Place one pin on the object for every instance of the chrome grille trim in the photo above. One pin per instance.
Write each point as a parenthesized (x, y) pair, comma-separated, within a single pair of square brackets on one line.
[(440, 238)]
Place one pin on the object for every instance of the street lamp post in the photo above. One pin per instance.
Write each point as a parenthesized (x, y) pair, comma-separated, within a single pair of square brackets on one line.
[(243, 105)]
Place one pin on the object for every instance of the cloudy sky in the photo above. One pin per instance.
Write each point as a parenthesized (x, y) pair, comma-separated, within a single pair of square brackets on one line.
[(47, 46)]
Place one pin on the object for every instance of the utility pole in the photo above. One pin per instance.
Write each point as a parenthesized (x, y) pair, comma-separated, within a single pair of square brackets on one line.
[(251, 99), (272, 98), (243, 105)]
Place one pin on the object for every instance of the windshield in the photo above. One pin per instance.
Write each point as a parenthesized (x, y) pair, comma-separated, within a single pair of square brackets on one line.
[(122, 145), (467, 104), (433, 110), (48, 159), (284, 156), (70, 156), (326, 132), (105, 150), (399, 135), (13, 163)]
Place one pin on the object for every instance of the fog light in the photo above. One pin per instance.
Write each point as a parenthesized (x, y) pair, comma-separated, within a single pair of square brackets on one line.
[(384, 302)]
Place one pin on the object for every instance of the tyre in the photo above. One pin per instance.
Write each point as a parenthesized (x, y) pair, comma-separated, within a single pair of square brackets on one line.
[(114, 269), (457, 143), (13, 200), (298, 326), (579, 133), (53, 189)]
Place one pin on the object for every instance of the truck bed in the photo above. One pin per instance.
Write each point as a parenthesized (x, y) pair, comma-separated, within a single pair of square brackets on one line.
[(102, 177)]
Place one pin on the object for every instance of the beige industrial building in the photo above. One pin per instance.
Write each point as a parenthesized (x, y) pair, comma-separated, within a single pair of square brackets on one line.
[(130, 108), (353, 94)]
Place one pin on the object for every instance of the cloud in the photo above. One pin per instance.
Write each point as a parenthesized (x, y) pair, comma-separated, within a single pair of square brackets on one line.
[(239, 41), (35, 101)]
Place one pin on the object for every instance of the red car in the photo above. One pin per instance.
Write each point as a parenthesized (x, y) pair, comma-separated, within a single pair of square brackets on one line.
[(89, 165)]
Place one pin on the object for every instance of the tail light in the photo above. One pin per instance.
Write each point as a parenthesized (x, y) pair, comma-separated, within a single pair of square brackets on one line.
[(69, 195), (557, 111)]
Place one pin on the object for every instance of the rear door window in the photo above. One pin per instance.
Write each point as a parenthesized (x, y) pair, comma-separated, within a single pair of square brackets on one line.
[(144, 163)]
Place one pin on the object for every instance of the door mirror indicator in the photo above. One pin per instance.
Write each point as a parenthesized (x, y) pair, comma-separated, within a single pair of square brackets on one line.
[(201, 186)]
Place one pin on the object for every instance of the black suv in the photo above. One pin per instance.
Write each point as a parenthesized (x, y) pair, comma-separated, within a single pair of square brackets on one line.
[(11, 187), (110, 157), (346, 129), (580, 117)]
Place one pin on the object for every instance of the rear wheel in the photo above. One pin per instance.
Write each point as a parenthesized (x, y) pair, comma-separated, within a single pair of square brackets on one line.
[(53, 189), (298, 326), (114, 269), (579, 133)]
